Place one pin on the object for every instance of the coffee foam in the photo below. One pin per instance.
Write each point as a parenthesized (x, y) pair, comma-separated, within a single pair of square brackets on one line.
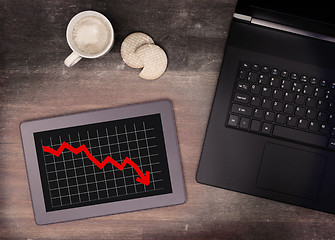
[(91, 35)]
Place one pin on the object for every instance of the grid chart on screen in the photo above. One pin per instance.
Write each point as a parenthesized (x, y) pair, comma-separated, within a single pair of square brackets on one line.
[(73, 180)]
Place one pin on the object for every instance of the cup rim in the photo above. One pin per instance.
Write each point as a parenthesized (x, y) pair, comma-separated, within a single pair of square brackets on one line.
[(72, 23)]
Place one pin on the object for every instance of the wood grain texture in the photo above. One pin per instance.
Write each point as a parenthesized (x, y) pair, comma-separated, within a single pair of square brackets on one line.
[(34, 83)]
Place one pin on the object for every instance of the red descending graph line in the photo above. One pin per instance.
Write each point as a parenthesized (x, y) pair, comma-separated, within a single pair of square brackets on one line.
[(145, 179)]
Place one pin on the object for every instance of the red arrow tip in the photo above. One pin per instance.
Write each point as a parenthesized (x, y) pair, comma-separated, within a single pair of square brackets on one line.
[(145, 179)]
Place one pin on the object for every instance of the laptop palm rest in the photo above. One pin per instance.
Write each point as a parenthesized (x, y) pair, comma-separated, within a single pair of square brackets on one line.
[(291, 171)]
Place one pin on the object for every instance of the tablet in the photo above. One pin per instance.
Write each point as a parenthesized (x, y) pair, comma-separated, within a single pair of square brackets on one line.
[(103, 162)]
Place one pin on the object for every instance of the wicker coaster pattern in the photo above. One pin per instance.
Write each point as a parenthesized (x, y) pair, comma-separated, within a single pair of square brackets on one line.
[(129, 46), (154, 60), (139, 51)]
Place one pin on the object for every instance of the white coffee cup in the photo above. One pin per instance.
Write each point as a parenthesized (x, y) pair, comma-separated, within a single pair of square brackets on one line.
[(89, 35)]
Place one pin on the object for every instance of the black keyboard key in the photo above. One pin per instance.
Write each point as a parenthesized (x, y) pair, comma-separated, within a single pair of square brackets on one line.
[(255, 125), (314, 126), (275, 82), (331, 119), (255, 89), (255, 101), (311, 114), (308, 90), (303, 124), (294, 76), (277, 94), (300, 99), (284, 74), (311, 102), (331, 144), (242, 86), (266, 103), (292, 121), (324, 129), (245, 65), (330, 95), (274, 72), (244, 123), (303, 78), (277, 106), (300, 136), (266, 92), (322, 104), (332, 131), (297, 87), (241, 98), (313, 81), (319, 93), (280, 118), (255, 67), (269, 116), (289, 108), (233, 120), (263, 79), (323, 83), (322, 117), (265, 69), (300, 111), (288, 97), (267, 128), (331, 107), (243, 110), (286, 84), (252, 77), (258, 113), (243, 74)]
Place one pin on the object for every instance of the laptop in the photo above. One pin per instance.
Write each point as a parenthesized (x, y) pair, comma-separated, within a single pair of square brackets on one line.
[(271, 131)]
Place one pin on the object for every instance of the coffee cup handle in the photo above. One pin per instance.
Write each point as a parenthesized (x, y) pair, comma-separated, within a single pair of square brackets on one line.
[(72, 59)]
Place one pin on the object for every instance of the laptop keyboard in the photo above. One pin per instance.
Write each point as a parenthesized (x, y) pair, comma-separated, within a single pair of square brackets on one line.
[(290, 105)]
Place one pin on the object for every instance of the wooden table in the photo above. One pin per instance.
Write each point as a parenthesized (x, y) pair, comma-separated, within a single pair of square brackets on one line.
[(34, 83)]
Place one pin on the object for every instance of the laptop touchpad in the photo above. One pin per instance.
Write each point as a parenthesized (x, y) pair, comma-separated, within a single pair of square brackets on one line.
[(291, 171)]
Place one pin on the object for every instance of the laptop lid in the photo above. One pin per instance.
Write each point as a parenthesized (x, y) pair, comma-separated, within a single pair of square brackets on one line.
[(309, 18)]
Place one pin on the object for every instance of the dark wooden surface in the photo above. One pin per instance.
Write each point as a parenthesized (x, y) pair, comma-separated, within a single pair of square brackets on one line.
[(34, 83)]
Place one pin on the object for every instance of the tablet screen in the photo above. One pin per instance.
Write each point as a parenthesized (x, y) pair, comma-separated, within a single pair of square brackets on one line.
[(103, 162)]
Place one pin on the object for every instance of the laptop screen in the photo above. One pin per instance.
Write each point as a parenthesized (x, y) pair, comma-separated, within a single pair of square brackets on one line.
[(316, 16)]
